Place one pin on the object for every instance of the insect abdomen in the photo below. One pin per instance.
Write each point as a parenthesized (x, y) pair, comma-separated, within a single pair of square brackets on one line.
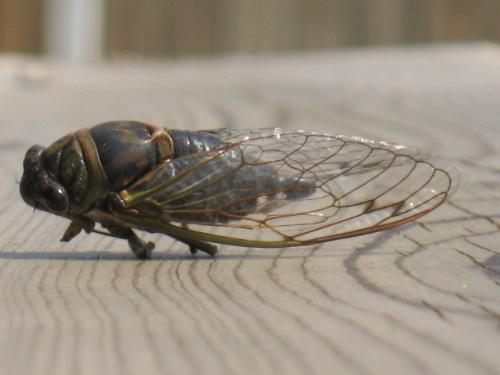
[(204, 194), (190, 142)]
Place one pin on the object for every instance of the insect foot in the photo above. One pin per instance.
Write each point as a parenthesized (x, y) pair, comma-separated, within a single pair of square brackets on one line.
[(140, 248)]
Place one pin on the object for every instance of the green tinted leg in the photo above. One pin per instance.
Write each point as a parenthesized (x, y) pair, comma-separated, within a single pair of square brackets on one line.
[(195, 245), (140, 248)]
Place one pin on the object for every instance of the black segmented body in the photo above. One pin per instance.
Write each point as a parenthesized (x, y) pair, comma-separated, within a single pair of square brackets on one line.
[(132, 158), (230, 182), (227, 178), (190, 142)]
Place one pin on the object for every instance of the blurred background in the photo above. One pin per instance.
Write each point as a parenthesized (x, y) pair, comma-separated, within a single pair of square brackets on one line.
[(94, 29)]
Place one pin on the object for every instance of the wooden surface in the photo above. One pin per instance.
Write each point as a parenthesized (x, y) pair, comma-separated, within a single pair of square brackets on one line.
[(188, 27), (177, 28), (421, 299)]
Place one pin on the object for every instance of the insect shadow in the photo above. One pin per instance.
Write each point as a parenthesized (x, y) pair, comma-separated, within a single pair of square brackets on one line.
[(492, 266), (267, 254)]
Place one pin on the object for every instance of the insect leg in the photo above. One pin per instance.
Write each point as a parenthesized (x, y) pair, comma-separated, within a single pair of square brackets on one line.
[(195, 245), (192, 249), (75, 227), (139, 247)]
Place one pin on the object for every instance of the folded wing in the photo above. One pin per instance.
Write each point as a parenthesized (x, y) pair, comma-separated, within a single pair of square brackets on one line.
[(279, 187)]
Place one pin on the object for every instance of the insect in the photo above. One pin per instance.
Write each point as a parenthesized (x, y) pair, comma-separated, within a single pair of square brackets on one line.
[(255, 188)]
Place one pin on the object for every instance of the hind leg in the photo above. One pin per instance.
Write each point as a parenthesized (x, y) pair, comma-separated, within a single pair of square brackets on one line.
[(139, 247), (195, 245)]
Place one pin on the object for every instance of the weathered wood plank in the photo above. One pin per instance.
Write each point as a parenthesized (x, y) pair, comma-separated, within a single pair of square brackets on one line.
[(21, 25), (420, 299), (195, 27)]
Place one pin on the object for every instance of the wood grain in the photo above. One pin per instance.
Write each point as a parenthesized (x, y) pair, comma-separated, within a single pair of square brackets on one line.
[(421, 299)]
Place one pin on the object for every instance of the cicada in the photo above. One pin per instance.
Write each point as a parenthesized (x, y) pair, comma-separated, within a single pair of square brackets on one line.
[(255, 188)]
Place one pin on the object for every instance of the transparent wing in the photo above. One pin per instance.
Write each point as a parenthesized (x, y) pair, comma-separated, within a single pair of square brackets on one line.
[(272, 187)]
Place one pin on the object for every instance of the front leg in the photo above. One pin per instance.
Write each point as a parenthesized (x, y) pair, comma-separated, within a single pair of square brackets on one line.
[(76, 226), (139, 247)]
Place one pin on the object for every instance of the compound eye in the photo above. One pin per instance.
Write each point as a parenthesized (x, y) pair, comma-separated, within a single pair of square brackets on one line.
[(55, 198)]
